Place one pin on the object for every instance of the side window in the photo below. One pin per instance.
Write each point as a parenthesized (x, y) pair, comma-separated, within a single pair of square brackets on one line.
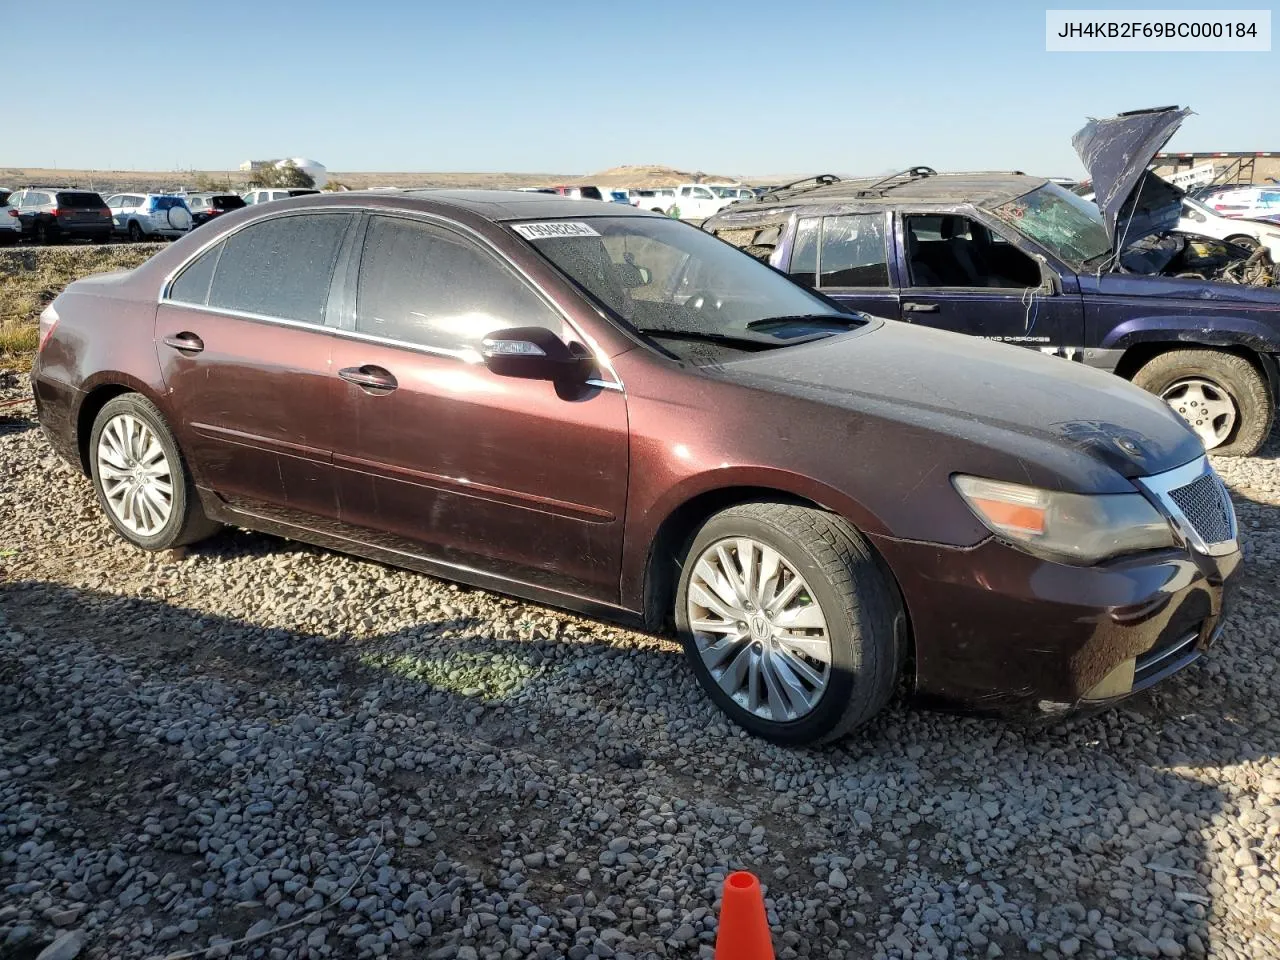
[(954, 251), (113, 201), (702, 193), (427, 286), (251, 197), (804, 255), (192, 284), (853, 252), (281, 267)]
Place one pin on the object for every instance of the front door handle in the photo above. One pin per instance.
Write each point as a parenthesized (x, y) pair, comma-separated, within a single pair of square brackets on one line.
[(370, 378), (185, 342), (920, 308)]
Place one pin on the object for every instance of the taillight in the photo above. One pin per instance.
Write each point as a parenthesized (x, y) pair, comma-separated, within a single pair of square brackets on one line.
[(55, 212), (211, 211), (105, 211), (48, 320), (12, 212)]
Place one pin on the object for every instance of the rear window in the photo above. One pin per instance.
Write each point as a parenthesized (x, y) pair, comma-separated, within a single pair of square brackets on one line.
[(166, 203), (226, 203), (591, 193), (80, 200), (301, 193)]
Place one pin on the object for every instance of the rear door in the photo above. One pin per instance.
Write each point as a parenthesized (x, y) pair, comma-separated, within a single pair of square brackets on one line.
[(441, 458), (245, 352), (847, 258), (960, 274)]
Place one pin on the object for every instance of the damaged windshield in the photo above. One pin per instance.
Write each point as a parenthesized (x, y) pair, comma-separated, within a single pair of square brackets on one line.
[(1068, 226), (673, 282)]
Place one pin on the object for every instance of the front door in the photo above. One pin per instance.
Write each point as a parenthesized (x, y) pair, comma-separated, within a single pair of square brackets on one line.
[(245, 355), (960, 275), (440, 457), (847, 258)]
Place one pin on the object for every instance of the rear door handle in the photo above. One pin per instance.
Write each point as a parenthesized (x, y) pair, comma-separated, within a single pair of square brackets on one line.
[(920, 307), (370, 377), (185, 342)]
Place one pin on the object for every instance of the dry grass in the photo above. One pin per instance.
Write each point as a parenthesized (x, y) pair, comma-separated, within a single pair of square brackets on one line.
[(31, 278)]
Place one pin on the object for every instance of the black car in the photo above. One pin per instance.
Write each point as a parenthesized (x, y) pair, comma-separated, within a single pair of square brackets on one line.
[(50, 214), (205, 206), (1020, 259)]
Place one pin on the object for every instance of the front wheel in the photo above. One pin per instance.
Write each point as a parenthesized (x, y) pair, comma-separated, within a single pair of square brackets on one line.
[(789, 622), (1223, 397), (1249, 243), (140, 477)]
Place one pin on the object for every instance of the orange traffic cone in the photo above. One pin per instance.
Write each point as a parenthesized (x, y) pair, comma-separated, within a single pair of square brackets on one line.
[(744, 930)]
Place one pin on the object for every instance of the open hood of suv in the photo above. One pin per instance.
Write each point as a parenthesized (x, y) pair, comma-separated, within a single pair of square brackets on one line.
[(1116, 151)]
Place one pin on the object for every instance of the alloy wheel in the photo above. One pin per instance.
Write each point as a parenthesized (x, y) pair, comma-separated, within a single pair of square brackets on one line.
[(758, 629), (1207, 408), (135, 474)]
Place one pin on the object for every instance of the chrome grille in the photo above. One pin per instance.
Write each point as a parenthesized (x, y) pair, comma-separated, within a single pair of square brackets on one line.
[(1205, 504), (1197, 504)]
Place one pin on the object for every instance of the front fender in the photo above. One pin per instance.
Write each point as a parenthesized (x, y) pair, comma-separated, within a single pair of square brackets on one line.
[(1223, 331)]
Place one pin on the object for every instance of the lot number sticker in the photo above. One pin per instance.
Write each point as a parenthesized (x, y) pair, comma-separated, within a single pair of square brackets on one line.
[(553, 229)]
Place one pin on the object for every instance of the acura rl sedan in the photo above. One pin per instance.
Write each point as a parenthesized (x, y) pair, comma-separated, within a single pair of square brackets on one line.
[(614, 412)]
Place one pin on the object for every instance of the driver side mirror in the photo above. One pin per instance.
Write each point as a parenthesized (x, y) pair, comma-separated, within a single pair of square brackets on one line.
[(1050, 282), (535, 353)]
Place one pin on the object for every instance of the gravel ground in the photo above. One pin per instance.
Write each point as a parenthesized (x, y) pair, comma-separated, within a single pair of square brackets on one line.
[(334, 758)]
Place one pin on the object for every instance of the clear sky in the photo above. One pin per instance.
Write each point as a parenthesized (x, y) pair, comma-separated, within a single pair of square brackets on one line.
[(799, 86)]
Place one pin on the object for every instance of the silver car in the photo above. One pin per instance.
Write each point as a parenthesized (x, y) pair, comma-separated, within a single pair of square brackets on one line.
[(143, 215)]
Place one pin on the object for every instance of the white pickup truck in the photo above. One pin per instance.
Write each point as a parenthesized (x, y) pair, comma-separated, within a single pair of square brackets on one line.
[(693, 201)]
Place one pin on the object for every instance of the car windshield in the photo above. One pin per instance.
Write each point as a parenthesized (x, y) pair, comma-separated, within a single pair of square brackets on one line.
[(1066, 225), (668, 279)]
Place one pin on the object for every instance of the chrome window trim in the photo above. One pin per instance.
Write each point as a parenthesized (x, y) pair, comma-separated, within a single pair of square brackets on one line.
[(1159, 486), (615, 383)]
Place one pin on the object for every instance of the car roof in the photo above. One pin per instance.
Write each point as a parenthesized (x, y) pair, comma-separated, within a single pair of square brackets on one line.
[(986, 188), (500, 205)]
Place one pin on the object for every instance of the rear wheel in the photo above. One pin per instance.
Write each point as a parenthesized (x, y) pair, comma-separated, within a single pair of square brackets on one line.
[(789, 622), (1223, 397), (140, 477), (135, 232), (42, 232)]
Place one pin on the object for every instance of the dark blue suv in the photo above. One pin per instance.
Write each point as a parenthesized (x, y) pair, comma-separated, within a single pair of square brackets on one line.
[(1019, 259)]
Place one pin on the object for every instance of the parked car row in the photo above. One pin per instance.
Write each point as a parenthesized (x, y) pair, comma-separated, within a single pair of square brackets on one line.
[(689, 201), (53, 214)]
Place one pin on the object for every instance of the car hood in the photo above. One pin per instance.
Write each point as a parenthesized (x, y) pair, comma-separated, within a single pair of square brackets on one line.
[(1045, 420), (1116, 151)]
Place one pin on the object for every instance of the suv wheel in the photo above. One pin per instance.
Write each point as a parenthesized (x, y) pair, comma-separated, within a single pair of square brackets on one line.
[(42, 232), (789, 622), (1223, 397), (140, 478), (135, 232)]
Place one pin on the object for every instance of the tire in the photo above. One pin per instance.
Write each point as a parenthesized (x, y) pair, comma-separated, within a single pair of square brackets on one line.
[(135, 232), (185, 521), (852, 593), (1249, 243), (1236, 377), (42, 234)]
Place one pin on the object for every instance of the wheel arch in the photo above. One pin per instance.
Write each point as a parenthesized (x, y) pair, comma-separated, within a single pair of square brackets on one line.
[(97, 395), (681, 524), (1138, 355)]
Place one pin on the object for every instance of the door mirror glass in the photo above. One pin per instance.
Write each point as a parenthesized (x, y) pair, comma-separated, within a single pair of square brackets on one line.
[(535, 353)]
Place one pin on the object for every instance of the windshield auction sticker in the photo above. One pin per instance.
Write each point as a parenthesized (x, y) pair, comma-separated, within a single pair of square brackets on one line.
[(1157, 31), (553, 229)]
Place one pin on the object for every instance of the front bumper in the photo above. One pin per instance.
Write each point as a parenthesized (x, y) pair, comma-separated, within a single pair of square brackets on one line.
[(999, 630)]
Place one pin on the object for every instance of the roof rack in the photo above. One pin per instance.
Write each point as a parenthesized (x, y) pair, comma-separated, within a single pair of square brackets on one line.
[(909, 175), (821, 180)]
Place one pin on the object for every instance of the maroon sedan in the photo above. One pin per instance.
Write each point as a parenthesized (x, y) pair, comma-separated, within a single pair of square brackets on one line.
[(614, 412)]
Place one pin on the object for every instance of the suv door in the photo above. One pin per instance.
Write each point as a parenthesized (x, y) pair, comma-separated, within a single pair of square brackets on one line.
[(847, 258), (960, 274), (244, 350), (440, 458)]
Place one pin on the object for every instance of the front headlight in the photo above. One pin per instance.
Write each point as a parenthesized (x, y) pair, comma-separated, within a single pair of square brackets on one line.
[(1072, 527)]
